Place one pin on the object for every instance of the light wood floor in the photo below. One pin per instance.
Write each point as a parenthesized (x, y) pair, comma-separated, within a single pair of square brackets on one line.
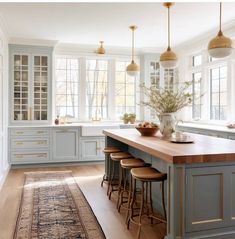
[(88, 177)]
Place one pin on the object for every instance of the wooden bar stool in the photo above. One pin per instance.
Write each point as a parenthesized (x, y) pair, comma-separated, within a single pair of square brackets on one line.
[(115, 160), (107, 151), (146, 176), (125, 188)]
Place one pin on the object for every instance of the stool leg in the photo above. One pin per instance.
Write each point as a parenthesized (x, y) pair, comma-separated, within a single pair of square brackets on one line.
[(132, 202), (112, 179), (129, 198), (151, 201), (109, 175), (121, 176), (141, 209), (105, 176), (163, 200)]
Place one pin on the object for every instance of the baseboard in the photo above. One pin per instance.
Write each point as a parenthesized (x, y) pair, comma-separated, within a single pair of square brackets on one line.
[(56, 164), (3, 176)]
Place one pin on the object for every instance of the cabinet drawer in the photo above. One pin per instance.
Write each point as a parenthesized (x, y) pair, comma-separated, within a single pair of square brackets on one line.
[(29, 143), (29, 157), (29, 132)]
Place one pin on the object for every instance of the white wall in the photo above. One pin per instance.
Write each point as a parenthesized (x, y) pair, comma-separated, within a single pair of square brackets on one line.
[(4, 166)]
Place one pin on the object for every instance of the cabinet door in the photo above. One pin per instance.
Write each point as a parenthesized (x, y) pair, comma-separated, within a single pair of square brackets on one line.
[(90, 149), (40, 87), (20, 87), (65, 145)]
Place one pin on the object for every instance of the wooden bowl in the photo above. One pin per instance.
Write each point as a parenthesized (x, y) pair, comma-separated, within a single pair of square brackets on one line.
[(147, 131)]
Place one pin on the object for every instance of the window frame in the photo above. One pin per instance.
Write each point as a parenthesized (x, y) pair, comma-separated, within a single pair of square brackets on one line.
[(204, 68), (125, 85), (218, 66), (82, 84)]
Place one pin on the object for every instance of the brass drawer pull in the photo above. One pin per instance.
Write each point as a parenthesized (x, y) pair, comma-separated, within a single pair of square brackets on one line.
[(19, 156), (19, 132), (41, 142), (19, 143), (41, 155), (40, 132)]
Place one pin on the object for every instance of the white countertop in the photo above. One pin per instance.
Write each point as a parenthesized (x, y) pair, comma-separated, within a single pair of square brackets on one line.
[(208, 127)]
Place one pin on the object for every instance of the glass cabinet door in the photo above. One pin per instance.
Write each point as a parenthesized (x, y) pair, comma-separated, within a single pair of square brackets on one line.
[(21, 87), (40, 87)]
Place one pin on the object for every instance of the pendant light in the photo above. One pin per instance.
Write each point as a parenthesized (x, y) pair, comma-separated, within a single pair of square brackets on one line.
[(220, 46), (133, 69), (100, 49), (168, 59)]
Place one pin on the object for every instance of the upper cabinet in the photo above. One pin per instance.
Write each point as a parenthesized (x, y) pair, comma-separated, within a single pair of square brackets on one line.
[(30, 83)]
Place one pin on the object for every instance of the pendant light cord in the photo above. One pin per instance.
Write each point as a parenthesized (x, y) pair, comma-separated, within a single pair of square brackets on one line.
[(169, 34), (133, 42), (220, 16)]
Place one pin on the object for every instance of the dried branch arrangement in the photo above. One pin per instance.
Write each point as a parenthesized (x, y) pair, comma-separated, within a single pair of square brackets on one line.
[(167, 100)]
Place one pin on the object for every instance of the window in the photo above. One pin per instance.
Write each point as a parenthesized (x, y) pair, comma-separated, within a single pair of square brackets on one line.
[(155, 74), (67, 87), (170, 78), (96, 89), (218, 82), (125, 100), (196, 87), (197, 60)]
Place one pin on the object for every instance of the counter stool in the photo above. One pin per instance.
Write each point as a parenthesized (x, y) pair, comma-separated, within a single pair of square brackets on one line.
[(126, 166), (146, 176), (115, 161), (107, 151)]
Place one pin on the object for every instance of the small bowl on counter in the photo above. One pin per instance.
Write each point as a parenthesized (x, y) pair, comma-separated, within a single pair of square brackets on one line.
[(147, 129)]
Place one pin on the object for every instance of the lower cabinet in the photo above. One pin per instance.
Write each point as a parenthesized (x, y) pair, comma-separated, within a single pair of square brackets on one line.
[(92, 148), (29, 145), (65, 146), (32, 145)]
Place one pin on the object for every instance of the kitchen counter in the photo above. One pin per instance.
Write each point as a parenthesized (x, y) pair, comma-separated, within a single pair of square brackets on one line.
[(204, 148), (200, 181)]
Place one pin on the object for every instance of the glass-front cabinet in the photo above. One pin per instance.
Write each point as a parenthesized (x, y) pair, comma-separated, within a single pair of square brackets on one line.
[(30, 72), (40, 87), (21, 87)]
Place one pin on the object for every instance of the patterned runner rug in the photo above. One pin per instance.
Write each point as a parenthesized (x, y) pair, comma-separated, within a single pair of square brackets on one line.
[(53, 207)]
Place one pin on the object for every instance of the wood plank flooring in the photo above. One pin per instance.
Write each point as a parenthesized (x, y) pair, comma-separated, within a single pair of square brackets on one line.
[(88, 177)]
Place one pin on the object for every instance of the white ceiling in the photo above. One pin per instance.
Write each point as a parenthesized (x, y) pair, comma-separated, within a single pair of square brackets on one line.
[(87, 23)]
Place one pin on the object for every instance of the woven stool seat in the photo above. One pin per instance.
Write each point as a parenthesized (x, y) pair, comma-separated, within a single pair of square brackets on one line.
[(120, 156), (148, 174), (109, 150), (132, 163)]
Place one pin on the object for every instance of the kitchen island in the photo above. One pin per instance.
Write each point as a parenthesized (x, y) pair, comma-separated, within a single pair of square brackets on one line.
[(200, 185)]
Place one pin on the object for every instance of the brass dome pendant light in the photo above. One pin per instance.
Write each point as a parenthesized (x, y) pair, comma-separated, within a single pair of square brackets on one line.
[(168, 59), (133, 69), (220, 46), (100, 49)]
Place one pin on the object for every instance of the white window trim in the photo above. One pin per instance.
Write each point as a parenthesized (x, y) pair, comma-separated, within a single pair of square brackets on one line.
[(204, 68), (82, 84)]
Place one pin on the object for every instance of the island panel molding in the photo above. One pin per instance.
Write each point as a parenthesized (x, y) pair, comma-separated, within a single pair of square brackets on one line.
[(204, 149)]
